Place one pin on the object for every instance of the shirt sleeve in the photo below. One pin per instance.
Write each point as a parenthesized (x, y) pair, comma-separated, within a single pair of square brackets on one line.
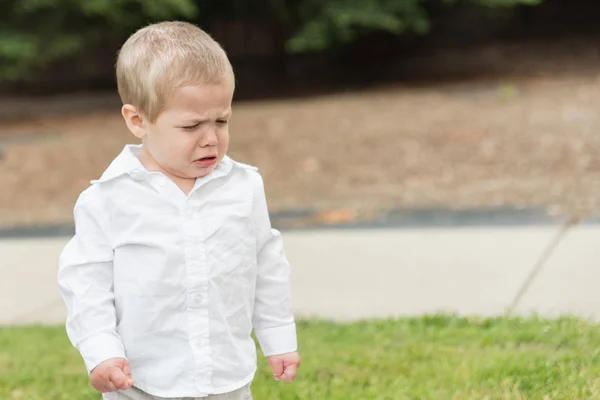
[(273, 319), (85, 280)]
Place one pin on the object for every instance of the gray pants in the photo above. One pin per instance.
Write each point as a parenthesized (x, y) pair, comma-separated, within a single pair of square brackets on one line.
[(134, 393)]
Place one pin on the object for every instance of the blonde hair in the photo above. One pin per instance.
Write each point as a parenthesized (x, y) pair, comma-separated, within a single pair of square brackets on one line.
[(159, 58)]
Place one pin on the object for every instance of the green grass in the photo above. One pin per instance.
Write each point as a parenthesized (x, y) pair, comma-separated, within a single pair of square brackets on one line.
[(435, 357)]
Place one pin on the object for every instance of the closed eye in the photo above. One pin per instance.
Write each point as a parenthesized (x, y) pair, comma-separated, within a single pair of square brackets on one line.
[(221, 122), (190, 128)]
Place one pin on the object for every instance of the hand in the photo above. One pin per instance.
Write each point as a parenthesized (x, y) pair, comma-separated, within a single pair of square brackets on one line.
[(111, 375), (284, 366)]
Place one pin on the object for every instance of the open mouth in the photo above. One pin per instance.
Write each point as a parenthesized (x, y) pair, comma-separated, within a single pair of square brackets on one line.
[(206, 161)]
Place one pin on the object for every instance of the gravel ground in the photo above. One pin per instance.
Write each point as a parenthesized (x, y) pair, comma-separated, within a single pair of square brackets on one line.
[(500, 142)]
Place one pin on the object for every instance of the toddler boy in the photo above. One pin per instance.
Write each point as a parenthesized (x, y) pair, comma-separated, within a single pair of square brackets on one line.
[(174, 261)]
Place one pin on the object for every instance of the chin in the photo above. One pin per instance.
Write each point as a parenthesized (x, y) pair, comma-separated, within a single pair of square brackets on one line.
[(204, 171)]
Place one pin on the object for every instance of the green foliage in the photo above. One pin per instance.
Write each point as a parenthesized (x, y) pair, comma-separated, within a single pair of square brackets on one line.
[(343, 20), (34, 33), (326, 24)]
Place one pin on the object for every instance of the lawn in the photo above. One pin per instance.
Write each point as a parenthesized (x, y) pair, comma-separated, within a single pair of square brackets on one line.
[(433, 357)]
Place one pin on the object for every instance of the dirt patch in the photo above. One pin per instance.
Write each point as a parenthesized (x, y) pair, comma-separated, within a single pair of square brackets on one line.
[(529, 142)]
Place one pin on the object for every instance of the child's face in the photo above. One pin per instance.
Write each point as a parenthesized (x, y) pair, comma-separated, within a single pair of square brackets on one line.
[(191, 136)]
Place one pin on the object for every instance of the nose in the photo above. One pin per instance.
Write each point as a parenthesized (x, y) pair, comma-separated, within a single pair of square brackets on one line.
[(209, 138)]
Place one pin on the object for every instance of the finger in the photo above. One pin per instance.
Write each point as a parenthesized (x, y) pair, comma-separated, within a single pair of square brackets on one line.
[(108, 386), (277, 368), (127, 372), (102, 384), (289, 373), (126, 368), (118, 379)]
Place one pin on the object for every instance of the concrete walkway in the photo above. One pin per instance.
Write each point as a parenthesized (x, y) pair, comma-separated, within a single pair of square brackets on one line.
[(363, 273)]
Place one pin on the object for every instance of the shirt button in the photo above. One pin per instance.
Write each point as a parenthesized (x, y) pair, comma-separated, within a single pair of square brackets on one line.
[(194, 203), (162, 180), (199, 299), (199, 342), (137, 174)]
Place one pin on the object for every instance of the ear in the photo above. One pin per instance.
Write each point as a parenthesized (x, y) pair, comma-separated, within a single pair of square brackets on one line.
[(134, 120)]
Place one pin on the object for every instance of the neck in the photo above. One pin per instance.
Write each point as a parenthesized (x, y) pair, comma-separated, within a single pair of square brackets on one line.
[(185, 184)]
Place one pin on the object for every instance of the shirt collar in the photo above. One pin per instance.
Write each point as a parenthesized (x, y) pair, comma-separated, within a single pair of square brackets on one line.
[(128, 163)]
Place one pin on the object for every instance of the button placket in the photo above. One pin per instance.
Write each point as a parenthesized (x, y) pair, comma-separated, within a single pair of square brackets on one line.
[(198, 286)]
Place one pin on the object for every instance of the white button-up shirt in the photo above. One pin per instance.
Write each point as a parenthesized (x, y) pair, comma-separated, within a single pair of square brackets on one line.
[(176, 283)]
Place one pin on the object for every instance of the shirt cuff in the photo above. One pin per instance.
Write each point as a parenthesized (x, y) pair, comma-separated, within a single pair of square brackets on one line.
[(99, 348), (279, 340)]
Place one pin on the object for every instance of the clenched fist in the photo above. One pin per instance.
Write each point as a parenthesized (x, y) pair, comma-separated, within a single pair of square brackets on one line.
[(284, 366), (111, 375)]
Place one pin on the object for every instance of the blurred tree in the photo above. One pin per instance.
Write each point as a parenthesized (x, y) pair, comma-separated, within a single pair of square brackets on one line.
[(325, 24), (34, 33)]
